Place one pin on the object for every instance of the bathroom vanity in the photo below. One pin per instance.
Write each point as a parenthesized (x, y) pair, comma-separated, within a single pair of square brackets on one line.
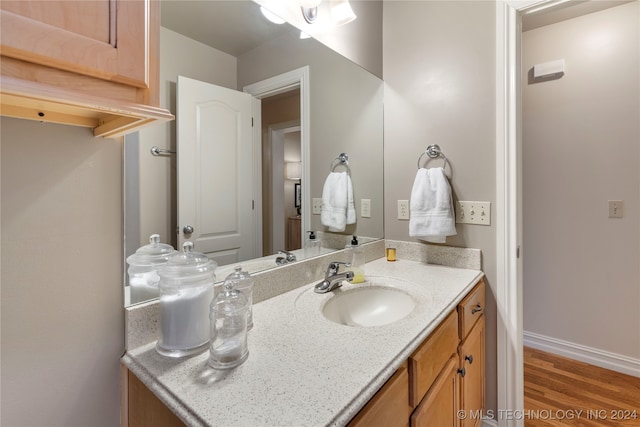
[(304, 369)]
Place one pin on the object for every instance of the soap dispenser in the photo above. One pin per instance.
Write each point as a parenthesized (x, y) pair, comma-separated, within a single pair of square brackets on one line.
[(228, 327), (312, 245), (355, 255)]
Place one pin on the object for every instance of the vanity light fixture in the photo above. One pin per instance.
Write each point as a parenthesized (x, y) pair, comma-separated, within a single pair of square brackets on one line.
[(272, 16), (293, 170), (341, 12), (309, 9)]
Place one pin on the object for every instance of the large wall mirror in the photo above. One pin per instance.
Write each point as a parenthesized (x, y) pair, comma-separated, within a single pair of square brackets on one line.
[(323, 106)]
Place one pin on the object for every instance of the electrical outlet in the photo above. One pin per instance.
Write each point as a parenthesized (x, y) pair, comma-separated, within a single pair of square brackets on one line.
[(403, 209), (615, 208), (316, 206), (473, 213), (365, 208)]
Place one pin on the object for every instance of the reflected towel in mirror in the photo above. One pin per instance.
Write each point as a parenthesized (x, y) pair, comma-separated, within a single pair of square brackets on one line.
[(431, 207), (338, 208)]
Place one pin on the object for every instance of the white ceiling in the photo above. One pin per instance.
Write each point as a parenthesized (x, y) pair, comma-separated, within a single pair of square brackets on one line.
[(566, 10), (234, 27)]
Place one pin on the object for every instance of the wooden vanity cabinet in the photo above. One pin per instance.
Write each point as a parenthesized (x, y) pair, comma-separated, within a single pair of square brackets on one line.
[(446, 373), (471, 353), (440, 404), (389, 407), (83, 63), (427, 390)]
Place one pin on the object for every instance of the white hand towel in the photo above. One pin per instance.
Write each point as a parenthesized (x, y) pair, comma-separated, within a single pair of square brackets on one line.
[(431, 207), (338, 208)]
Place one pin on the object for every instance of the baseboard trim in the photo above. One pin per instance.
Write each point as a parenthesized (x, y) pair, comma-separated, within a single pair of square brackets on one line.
[(604, 359)]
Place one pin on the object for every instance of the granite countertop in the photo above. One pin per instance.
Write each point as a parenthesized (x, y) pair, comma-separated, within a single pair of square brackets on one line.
[(304, 370)]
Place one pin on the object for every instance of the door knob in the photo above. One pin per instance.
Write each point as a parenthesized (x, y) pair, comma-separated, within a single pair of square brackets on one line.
[(187, 229)]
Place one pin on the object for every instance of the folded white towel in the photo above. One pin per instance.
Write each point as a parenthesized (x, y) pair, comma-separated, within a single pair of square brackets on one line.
[(432, 217), (338, 208)]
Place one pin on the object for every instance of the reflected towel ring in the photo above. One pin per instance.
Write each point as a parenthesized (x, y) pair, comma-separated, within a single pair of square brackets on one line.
[(433, 151), (343, 160)]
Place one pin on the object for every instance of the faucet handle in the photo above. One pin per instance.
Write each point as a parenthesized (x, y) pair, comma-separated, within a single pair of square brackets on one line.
[(290, 256), (334, 266)]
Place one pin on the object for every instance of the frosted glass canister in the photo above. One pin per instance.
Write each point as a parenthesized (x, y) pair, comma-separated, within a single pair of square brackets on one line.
[(186, 292), (143, 268)]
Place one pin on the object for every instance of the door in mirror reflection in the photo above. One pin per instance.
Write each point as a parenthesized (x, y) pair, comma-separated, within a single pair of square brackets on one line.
[(215, 201)]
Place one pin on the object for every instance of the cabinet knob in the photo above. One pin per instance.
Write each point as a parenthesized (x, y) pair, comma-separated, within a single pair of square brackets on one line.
[(187, 229), (476, 309), (462, 372), (469, 358)]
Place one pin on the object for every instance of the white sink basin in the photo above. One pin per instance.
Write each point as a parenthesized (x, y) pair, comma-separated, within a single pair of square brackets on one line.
[(368, 306)]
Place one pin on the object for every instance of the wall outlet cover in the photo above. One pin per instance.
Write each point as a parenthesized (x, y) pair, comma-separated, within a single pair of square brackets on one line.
[(316, 204), (403, 209), (365, 208)]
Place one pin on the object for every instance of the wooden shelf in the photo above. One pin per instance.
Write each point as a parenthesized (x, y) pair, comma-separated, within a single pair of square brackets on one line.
[(108, 118)]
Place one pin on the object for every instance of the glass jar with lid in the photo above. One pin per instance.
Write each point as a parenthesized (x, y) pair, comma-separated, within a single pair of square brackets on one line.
[(143, 269), (186, 291), (229, 312), (243, 282)]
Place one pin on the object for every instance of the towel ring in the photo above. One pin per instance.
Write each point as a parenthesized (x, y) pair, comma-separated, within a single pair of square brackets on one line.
[(433, 151), (343, 160)]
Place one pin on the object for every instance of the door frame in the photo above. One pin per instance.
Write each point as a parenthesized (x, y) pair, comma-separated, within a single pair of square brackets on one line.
[(273, 86), (508, 289)]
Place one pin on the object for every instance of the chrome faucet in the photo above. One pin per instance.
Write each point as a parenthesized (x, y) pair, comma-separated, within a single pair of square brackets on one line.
[(332, 279), (287, 258)]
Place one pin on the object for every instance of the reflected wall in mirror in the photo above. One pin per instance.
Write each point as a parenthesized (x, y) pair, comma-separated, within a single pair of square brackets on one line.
[(344, 114)]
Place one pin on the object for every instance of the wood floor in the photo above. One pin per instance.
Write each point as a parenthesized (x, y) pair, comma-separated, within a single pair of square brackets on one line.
[(556, 389)]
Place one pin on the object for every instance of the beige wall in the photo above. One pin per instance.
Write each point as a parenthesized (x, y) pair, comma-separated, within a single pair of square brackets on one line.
[(581, 148), (62, 297), (439, 72)]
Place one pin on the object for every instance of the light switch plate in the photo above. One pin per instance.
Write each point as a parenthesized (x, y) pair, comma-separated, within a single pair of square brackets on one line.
[(615, 208), (365, 208), (473, 213), (316, 206)]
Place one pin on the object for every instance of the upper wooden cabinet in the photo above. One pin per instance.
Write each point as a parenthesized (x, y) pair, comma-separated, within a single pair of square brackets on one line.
[(84, 63)]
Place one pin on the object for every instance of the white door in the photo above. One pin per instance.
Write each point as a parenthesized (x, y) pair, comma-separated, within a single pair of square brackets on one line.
[(215, 173)]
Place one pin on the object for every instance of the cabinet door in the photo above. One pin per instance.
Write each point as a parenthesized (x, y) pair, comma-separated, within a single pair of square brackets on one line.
[(472, 392), (106, 39), (440, 405), (144, 409), (390, 406), (427, 361)]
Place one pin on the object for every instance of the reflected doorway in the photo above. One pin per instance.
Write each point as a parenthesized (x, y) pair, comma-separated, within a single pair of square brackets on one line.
[(281, 171)]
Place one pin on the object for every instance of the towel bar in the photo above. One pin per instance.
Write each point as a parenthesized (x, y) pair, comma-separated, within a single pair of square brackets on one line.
[(343, 160), (433, 151), (157, 151)]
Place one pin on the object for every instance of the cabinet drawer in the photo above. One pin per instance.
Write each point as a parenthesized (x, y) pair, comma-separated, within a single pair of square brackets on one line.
[(471, 308), (389, 407), (427, 361)]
